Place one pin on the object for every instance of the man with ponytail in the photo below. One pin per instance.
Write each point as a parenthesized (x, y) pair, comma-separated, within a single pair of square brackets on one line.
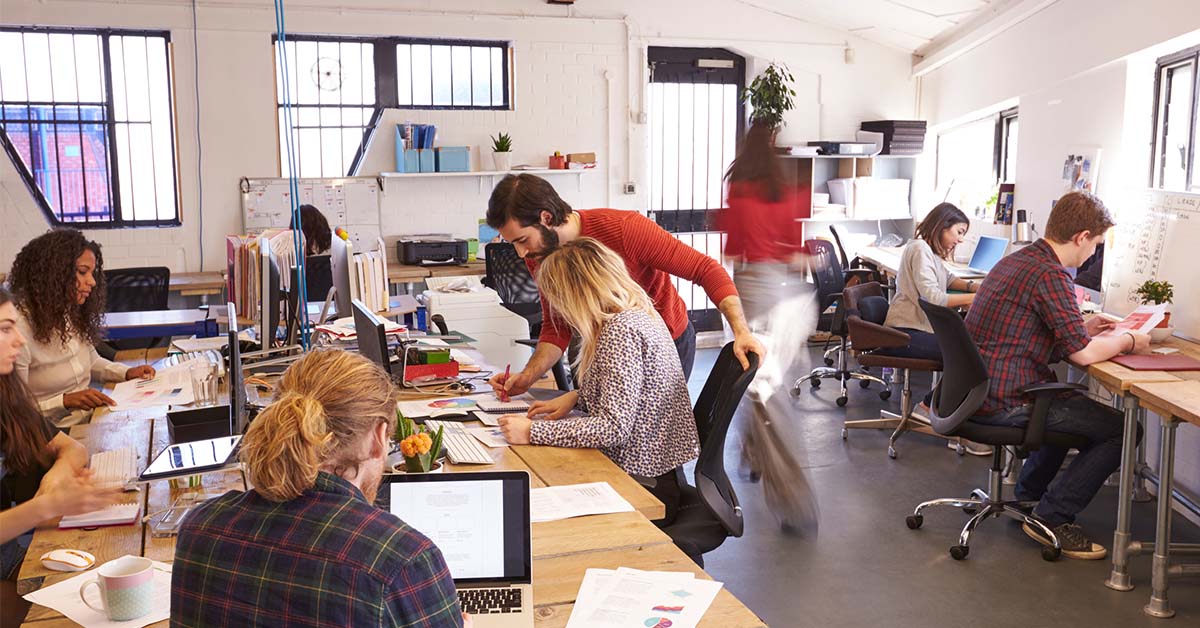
[(306, 546)]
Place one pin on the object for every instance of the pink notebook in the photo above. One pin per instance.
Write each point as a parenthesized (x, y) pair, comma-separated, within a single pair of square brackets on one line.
[(1174, 362)]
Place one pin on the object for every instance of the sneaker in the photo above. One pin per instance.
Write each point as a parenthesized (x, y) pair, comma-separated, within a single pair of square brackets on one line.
[(1075, 544), (971, 447)]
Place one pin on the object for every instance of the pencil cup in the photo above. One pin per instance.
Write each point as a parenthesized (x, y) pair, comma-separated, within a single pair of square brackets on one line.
[(204, 383), (126, 587)]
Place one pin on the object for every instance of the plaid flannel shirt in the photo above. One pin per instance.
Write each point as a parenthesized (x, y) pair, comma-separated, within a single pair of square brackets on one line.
[(1024, 318), (326, 558)]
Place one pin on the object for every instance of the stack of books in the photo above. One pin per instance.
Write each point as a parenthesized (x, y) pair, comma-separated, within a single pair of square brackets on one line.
[(900, 137)]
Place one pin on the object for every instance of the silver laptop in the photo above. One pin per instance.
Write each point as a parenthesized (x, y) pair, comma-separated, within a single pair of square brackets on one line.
[(481, 524), (989, 251)]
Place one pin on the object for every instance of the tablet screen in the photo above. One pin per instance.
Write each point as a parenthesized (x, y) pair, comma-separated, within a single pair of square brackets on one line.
[(188, 458)]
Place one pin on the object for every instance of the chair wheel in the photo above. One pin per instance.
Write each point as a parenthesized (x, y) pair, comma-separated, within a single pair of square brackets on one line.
[(959, 552), (828, 361), (841, 401), (960, 450), (845, 433), (914, 521), (891, 452), (884, 394), (864, 383), (1051, 554), (815, 382)]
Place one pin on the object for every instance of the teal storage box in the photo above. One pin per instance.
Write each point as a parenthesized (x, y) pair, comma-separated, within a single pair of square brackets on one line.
[(427, 160), (453, 158), (412, 161)]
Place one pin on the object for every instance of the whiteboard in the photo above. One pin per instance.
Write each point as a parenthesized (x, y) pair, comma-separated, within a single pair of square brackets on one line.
[(349, 202), (1155, 238)]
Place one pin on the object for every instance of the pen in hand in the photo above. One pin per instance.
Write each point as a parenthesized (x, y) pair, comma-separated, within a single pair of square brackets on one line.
[(503, 394)]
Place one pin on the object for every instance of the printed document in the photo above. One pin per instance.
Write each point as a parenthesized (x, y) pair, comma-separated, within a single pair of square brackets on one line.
[(575, 500)]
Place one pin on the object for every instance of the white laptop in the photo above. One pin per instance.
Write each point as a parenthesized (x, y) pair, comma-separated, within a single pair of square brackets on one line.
[(481, 523), (989, 251)]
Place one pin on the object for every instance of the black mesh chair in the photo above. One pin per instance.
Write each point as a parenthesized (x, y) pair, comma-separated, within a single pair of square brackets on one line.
[(136, 290), (318, 278), (959, 395), (856, 264), (507, 274), (709, 511), (831, 280)]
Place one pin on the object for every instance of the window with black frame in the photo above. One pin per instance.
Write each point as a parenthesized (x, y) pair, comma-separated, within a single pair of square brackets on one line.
[(1176, 92), (86, 117), (338, 88)]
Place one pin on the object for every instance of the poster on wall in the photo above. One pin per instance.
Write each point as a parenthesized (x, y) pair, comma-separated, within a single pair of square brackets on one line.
[(1081, 169)]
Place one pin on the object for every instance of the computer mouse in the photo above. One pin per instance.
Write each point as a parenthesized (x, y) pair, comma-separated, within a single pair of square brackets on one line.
[(68, 560), (449, 413)]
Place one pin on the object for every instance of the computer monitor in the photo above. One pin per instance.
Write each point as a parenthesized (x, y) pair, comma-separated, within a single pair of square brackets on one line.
[(269, 297), (237, 385), (372, 336), (989, 251), (341, 264)]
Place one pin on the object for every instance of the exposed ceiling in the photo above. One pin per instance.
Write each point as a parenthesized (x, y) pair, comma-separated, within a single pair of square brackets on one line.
[(908, 25)]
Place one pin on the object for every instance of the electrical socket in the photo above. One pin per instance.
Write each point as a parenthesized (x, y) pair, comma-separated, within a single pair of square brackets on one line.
[(630, 188)]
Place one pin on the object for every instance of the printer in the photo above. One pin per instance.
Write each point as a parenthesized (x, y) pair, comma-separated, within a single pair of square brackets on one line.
[(475, 310), (425, 250)]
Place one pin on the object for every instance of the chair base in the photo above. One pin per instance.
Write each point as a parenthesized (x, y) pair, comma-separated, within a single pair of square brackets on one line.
[(906, 421), (985, 505), (843, 376)]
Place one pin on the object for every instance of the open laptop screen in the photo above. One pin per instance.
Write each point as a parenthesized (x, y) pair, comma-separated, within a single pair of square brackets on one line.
[(479, 521), (989, 251)]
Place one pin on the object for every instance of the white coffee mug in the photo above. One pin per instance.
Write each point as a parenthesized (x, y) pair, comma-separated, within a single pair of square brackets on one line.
[(126, 588)]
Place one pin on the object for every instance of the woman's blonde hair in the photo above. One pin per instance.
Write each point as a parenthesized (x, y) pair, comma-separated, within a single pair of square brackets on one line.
[(325, 408), (587, 283)]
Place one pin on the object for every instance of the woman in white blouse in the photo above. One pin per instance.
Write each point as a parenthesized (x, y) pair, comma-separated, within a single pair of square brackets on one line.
[(58, 282), (633, 400)]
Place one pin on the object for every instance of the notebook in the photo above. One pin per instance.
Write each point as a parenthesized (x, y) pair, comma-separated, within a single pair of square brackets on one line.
[(115, 515), (493, 406), (1172, 362)]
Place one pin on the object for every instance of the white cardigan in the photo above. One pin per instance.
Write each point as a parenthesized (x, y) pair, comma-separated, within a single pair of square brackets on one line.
[(922, 275), (52, 369)]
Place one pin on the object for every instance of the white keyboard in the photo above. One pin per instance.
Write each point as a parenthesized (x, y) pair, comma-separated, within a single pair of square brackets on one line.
[(212, 356), (115, 468), (116, 514), (460, 445)]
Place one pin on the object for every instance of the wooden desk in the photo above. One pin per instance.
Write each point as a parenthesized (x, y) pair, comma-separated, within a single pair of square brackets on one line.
[(406, 274), (1175, 402), (886, 258), (198, 284)]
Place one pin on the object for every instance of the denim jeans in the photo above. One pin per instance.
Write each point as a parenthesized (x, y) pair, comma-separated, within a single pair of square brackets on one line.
[(1101, 425), (685, 344), (922, 345)]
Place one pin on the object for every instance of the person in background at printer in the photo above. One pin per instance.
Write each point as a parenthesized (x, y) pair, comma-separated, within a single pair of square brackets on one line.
[(923, 275), (317, 235), (529, 213), (632, 393), (41, 469), (58, 282)]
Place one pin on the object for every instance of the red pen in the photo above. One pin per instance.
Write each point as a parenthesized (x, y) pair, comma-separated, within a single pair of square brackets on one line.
[(503, 395)]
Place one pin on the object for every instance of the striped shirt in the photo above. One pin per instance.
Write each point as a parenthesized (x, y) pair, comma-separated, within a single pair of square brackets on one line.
[(326, 558), (635, 399), (652, 256)]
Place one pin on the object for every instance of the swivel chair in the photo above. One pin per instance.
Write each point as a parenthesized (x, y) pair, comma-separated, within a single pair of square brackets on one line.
[(709, 512), (959, 395), (135, 290)]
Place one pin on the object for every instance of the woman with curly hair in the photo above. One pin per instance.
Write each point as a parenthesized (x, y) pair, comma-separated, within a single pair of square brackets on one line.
[(58, 282)]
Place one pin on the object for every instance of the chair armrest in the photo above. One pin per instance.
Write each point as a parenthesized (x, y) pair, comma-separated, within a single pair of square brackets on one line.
[(861, 273), (1044, 393), (866, 335)]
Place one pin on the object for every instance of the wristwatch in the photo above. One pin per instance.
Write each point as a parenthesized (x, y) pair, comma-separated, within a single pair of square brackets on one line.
[(970, 285)]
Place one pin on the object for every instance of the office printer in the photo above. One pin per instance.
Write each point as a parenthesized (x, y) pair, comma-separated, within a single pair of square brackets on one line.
[(423, 250)]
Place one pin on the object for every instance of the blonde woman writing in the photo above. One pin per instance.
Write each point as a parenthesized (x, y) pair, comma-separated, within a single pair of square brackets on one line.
[(633, 398)]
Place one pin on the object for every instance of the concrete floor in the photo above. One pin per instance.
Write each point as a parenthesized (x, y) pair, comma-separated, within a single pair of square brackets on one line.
[(863, 567)]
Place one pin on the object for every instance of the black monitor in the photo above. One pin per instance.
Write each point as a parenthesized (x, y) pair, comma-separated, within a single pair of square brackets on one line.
[(268, 323), (372, 336), (237, 385)]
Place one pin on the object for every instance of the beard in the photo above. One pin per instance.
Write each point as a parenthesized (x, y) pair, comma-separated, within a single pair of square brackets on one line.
[(550, 241), (371, 479)]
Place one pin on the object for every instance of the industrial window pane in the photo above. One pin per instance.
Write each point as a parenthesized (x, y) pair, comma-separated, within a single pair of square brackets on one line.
[(441, 75)]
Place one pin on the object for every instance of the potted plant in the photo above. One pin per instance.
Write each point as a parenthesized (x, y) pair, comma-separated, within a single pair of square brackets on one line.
[(418, 447), (502, 152), (770, 95), (1157, 292)]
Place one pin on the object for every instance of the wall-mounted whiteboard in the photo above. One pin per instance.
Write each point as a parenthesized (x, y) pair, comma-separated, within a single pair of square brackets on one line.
[(350, 202), (1156, 237)]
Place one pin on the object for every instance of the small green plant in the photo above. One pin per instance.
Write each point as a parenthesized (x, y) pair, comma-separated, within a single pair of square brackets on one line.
[(1156, 292), (420, 450), (770, 95), (502, 143)]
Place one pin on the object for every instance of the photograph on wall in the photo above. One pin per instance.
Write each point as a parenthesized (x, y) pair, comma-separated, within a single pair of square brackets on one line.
[(1081, 169)]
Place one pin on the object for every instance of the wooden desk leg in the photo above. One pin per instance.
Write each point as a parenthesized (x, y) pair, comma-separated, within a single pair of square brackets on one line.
[(1159, 605), (1119, 578), (1140, 494)]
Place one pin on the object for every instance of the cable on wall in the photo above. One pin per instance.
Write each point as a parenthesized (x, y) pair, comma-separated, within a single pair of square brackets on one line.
[(199, 143), (293, 182)]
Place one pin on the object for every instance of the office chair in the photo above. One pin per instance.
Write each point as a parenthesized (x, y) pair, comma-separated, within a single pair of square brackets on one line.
[(866, 309), (855, 264), (831, 280), (959, 395), (135, 290), (709, 512), (318, 277)]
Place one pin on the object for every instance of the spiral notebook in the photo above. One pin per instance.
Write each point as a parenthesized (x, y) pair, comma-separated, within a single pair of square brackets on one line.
[(495, 405)]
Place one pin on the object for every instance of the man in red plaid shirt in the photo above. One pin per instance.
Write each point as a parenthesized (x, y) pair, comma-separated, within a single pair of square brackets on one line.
[(1024, 318)]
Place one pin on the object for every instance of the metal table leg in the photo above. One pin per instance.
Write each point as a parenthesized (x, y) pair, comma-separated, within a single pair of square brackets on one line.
[(1140, 494), (1118, 579), (1159, 605)]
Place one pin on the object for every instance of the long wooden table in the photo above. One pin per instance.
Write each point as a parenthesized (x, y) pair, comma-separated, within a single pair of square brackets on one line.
[(562, 550)]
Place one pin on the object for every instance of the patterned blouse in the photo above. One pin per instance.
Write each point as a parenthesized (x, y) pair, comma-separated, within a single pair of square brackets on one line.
[(634, 398)]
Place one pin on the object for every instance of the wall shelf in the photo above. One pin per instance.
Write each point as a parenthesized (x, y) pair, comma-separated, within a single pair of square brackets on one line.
[(483, 174)]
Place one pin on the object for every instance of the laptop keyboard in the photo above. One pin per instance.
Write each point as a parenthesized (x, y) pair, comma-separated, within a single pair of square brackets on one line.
[(487, 601)]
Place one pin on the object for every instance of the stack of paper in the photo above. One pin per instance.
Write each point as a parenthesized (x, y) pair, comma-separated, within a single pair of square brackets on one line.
[(169, 387), (575, 500), (64, 597), (343, 328), (630, 597), (244, 267)]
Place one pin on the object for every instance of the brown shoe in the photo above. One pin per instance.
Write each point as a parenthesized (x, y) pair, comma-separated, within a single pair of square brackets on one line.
[(1075, 544)]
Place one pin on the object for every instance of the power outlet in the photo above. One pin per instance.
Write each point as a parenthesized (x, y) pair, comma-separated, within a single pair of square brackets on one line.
[(630, 188)]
